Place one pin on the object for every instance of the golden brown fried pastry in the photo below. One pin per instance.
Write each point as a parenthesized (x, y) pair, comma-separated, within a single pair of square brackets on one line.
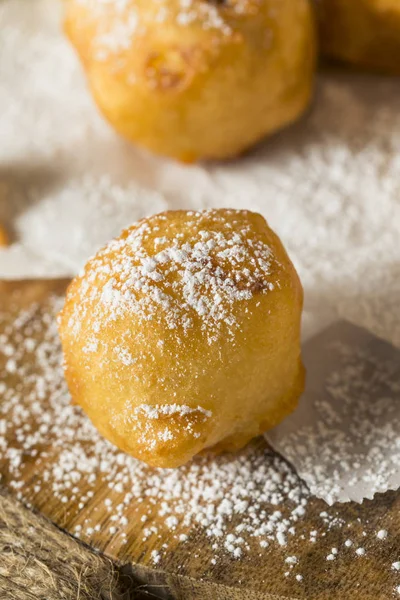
[(195, 79), (362, 32), (183, 334)]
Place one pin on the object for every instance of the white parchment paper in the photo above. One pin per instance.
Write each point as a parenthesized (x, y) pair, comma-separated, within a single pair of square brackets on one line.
[(343, 439)]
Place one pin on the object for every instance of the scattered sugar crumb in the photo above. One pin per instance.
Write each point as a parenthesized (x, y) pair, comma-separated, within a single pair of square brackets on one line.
[(155, 556), (382, 534)]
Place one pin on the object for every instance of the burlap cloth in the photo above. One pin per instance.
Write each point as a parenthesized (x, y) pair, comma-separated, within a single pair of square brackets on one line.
[(39, 562)]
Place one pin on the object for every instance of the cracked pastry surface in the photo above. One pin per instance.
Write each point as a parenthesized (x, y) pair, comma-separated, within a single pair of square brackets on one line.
[(183, 335), (196, 79)]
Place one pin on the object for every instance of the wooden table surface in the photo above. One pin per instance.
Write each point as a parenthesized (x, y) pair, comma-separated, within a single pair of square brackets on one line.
[(190, 569)]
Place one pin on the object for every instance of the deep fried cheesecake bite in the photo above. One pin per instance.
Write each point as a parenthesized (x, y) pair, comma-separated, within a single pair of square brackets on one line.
[(183, 334), (196, 79)]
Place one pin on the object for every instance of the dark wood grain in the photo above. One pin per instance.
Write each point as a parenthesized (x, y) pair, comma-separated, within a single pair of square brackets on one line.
[(185, 570)]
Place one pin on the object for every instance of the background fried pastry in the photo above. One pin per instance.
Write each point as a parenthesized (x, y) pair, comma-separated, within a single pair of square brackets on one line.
[(197, 79), (362, 32)]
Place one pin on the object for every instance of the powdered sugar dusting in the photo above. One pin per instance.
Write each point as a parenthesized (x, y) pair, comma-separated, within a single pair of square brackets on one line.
[(159, 411), (195, 277), (142, 418), (118, 23)]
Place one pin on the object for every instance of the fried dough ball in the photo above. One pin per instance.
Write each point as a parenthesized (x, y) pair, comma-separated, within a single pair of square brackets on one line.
[(196, 79), (362, 32), (183, 334)]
